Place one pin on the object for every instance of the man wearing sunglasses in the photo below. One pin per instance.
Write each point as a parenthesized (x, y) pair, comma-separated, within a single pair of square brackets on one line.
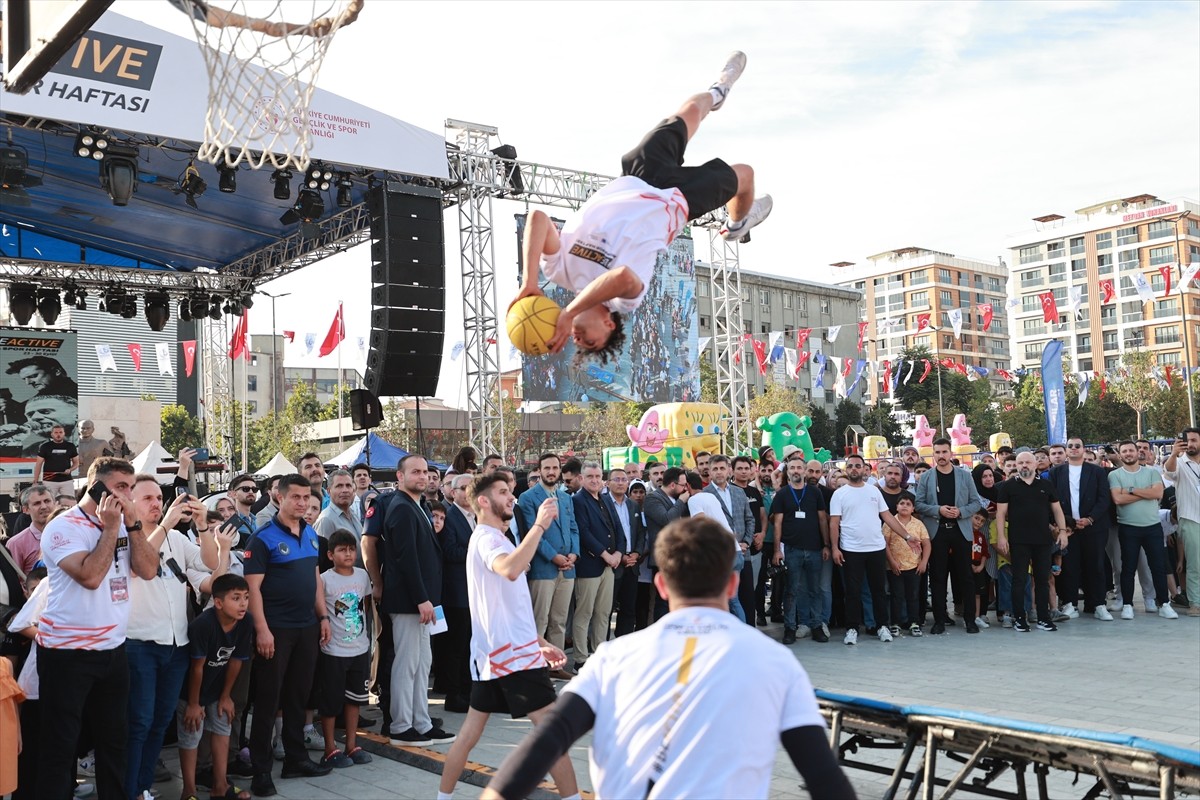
[(243, 491), (1086, 499)]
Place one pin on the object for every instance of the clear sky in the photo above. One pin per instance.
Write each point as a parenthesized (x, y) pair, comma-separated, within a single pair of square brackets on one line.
[(946, 125)]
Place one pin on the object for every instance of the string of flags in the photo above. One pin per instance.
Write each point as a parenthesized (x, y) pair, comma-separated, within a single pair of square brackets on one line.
[(162, 357)]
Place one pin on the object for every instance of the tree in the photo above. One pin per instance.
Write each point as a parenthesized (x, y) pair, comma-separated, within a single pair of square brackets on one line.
[(603, 426), (331, 409), (879, 422), (776, 399), (822, 432), (958, 395), (180, 429), (1168, 413), (1138, 388), (846, 413), (708, 380)]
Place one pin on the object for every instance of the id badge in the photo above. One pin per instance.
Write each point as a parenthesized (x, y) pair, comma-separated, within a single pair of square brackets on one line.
[(118, 589), (800, 515)]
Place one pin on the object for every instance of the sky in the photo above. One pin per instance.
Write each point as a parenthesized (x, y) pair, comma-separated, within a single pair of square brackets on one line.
[(874, 126)]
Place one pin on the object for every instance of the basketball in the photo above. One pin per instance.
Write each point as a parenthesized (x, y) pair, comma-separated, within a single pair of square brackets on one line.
[(531, 323)]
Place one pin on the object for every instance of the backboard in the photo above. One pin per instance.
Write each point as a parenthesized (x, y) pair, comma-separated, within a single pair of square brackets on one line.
[(37, 33)]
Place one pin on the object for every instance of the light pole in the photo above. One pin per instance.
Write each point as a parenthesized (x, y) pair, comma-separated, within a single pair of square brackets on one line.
[(274, 382), (1187, 343), (937, 355)]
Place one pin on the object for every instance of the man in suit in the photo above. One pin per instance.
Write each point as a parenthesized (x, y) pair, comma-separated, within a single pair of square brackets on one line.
[(599, 556), (1086, 498), (552, 572), (946, 499), (661, 507), (631, 542), (453, 648), (741, 520)]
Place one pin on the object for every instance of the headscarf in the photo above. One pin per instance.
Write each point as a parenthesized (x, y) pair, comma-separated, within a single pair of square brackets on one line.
[(977, 476)]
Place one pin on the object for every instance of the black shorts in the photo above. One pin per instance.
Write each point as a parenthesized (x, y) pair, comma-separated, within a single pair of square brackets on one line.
[(658, 160), (516, 694), (341, 680)]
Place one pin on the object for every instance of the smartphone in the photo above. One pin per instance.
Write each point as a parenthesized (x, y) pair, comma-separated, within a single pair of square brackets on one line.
[(97, 492), (201, 455)]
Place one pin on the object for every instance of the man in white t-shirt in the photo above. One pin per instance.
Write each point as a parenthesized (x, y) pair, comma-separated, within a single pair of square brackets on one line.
[(510, 661), (607, 251), (665, 702)]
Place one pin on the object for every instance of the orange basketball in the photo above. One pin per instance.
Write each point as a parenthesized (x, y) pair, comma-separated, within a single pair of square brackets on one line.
[(531, 323)]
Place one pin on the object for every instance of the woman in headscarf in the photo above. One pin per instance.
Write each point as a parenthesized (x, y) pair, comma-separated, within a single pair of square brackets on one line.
[(986, 479)]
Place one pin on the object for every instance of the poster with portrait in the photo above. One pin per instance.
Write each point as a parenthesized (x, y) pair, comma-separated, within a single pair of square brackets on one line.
[(38, 390), (659, 362)]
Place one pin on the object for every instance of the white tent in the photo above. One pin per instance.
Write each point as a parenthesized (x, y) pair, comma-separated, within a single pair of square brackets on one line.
[(277, 466), (155, 458)]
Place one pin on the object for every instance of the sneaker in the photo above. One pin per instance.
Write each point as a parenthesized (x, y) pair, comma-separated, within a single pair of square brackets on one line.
[(825, 630), (438, 736), (885, 635), (1114, 604), (1061, 616), (761, 620), (1103, 613), (85, 790), (87, 765), (915, 630), (1045, 625), (739, 231), (938, 628), (1166, 612), (789, 636), (980, 622), (1070, 610), (895, 629), (336, 760), (851, 637), (1151, 606), (314, 740), (410, 738), (819, 633), (1127, 612), (1020, 626), (734, 66), (803, 632), (1006, 621), (1193, 611)]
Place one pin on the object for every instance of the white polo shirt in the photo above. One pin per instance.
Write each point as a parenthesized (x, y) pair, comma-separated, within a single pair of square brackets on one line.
[(158, 607)]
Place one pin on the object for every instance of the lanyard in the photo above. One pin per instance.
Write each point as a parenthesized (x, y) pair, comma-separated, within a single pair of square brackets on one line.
[(799, 500)]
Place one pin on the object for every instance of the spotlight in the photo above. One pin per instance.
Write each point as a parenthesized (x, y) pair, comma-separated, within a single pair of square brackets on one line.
[(49, 306), (81, 301), (214, 311), (344, 185), (283, 183), (191, 185), (309, 206), (158, 310), (118, 174), (318, 177), (89, 144), (512, 173), (129, 311), (22, 302), (15, 177), (199, 306), (69, 293), (114, 300), (248, 300), (185, 310), (228, 181), (232, 306)]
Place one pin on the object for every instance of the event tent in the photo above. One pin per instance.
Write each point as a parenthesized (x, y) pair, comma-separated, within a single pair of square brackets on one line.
[(155, 458), (384, 454), (277, 466)]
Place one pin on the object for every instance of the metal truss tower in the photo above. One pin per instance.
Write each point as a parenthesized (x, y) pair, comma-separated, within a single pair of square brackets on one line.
[(733, 392), (217, 390)]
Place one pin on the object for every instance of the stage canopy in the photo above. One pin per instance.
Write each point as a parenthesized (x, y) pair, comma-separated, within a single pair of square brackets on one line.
[(277, 466), (384, 455)]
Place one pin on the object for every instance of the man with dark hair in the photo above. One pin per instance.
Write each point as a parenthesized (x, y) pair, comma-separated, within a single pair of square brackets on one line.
[(26, 547), (1146, 455), (452, 650), (692, 666), (1083, 490), (599, 556), (736, 507), (655, 470), (661, 507), (313, 468), (1136, 491), (361, 475), (491, 462), (801, 521), (631, 544), (702, 460), (58, 458), (744, 470), (44, 375), (339, 514), (242, 491), (270, 490), (572, 475)]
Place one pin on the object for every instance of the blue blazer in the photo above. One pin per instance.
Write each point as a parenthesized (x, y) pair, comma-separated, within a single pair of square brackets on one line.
[(456, 535), (1095, 497), (594, 536), (562, 538)]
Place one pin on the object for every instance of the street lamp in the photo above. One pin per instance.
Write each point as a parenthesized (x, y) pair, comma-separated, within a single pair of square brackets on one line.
[(1187, 343), (274, 382)]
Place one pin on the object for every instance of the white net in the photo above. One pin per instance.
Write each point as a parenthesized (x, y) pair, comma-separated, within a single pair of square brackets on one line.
[(262, 58)]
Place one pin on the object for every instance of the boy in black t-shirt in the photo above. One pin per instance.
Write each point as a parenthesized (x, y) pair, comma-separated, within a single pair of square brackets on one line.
[(220, 641)]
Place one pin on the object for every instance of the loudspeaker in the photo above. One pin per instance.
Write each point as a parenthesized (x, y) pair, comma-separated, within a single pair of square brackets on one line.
[(408, 290), (365, 410)]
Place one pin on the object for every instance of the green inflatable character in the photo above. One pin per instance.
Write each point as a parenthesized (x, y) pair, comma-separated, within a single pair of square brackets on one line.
[(784, 428)]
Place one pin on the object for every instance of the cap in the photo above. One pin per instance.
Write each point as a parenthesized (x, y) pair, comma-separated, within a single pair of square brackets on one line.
[(910, 447)]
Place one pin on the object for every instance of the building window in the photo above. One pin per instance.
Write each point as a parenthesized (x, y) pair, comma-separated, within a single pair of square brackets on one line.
[(1166, 308), (253, 406), (1127, 235), (1029, 255), (748, 327), (1135, 338), (1058, 273), (1162, 255), (944, 275), (704, 322), (1108, 314), (1030, 302), (1193, 253), (1168, 334), (1110, 340), (825, 305), (764, 296), (746, 294), (919, 299), (1112, 362), (1032, 278), (918, 278), (1085, 364), (944, 297), (1032, 325), (251, 383), (702, 288), (1085, 342), (765, 328), (253, 360), (1104, 264), (994, 284), (948, 342), (1033, 351), (1132, 311), (1171, 358), (787, 300), (1128, 259), (1160, 228), (1054, 250), (1078, 267), (802, 304), (1104, 240), (1077, 246)]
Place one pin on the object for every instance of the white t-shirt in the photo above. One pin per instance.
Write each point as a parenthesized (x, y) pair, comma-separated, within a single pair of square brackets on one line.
[(710, 506), (682, 683), (504, 637), (859, 508), (625, 224), (1074, 473), (77, 618)]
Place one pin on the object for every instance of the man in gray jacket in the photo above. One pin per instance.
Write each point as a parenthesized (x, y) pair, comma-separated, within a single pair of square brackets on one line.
[(736, 506)]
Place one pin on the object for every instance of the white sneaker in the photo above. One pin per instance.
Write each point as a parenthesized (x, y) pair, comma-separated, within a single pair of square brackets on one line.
[(825, 630), (1069, 610), (1166, 612), (851, 637), (1126, 612), (277, 749), (981, 622), (1060, 615), (803, 632), (734, 66), (885, 635), (87, 765), (739, 230), (313, 740), (1151, 606), (85, 790), (1113, 603), (1006, 621), (1102, 613)]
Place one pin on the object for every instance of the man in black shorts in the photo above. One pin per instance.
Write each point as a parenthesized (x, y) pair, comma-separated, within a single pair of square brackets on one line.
[(607, 251), (509, 661)]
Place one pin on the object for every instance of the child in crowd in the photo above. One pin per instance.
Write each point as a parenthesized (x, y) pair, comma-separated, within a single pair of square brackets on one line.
[(912, 559), (980, 526), (220, 642), (22, 633), (438, 517), (344, 665)]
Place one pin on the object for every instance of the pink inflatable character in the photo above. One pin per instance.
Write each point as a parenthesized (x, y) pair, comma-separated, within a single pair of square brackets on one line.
[(647, 437), (960, 434), (923, 435)]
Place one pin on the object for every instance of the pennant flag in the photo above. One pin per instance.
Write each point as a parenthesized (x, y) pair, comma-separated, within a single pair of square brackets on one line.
[(862, 330), (888, 326), (760, 354), (887, 376), (1075, 298), (1143, 287), (847, 365), (237, 345), (911, 366), (1053, 392), (105, 357), (135, 352), (162, 352), (1107, 291), (337, 332), (793, 370), (702, 345), (1167, 369), (862, 367), (457, 350), (1013, 302), (310, 341), (1102, 387), (1049, 314), (839, 379), (1189, 274), (987, 311), (981, 371), (896, 376), (831, 333), (1005, 374), (802, 337), (819, 372), (925, 374), (1083, 388), (922, 322), (801, 359), (1165, 270), (775, 346), (290, 336), (189, 356), (955, 316)]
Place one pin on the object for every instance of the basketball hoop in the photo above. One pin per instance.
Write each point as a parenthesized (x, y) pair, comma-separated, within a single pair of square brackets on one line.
[(262, 72)]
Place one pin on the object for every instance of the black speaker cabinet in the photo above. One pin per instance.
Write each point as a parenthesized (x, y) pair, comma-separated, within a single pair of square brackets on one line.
[(365, 410)]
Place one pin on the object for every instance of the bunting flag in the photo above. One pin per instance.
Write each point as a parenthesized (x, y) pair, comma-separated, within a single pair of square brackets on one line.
[(1102, 386), (775, 346), (1075, 299), (105, 357), (1049, 308), (981, 371), (896, 376), (290, 336), (839, 378), (925, 373), (1053, 392), (819, 371), (802, 337), (135, 353), (986, 310), (955, 316), (888, 326), (189, 356), (1144, 290), (1012, 303), (922, 322), (1167, 370), (457, 350), (1005, 374), (802, 359), (862, 330), (1083, 388), (831, 333), (1165, 270), (1107, 291), (360, 343), (886, 380), (1189, 274), (793, 370), (702, 345), (337, 332), (310, 341), (760, 354), (862, 368), (911, 366), (162, 352), (238, 344)]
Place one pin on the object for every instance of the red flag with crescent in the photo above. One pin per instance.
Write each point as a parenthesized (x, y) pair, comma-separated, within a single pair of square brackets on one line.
[(922, 322), (1107, 291), (885, 379), (927, 370), (1168, 369), (862, 329), (986, 310), (189, 356), (1103, 386), (847, 366), (1166, 271), (1049, 307), (802, 337), (238, 345), (135, 352), (337, 333), (801, 360), (760, 353)]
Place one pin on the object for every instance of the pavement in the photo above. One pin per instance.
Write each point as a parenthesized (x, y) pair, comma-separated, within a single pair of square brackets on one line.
[(1138, 677)]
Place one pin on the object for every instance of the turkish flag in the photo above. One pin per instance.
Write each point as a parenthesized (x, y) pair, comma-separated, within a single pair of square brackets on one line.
[(1107, 291), (1168, 371), (1049, 307), (135, 352), (760, 353), (862, 329), (885, 380), (237, 345), (337, 332), (1102, 387), (290, 336), (847, 365), (925, 374), (189, 355), (922, 322), (802, 337), (801, 360), (1165, 271), (986, 310)]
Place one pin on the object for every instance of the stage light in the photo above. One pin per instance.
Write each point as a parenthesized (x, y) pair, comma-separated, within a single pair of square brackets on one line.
[(81, 301), (89, 144), (22, 302), (129, 311), (214, 311), (185, 310), (114, 300), (248, 300), (232, 307), (344, 185), (228, 181), (309, 206), (15, 177), (512, 173), (158, 310), (118, 174), (283, 183), (191, 185), (199, 307), (318, 177), (49, 306)]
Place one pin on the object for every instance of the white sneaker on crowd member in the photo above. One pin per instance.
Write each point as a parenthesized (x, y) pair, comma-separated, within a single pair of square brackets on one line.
[(1126, 612), (1113, 602), (85, 790), (1059, 615), (1006, 621), (313, 739), (1166, 612), (803, 632), (87, 765), (1103, 613), (277, 749), (1070, 611), (851, 637), (1151, 606), (982, 623), (885, 635)]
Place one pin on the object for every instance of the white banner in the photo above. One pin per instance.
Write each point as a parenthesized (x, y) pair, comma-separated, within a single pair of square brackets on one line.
[(104, 355), (162, 351), (1144, 290), (955, 316), (831, 333)]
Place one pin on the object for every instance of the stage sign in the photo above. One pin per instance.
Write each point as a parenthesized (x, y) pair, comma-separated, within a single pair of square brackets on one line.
[(659, 362), (38, 390)]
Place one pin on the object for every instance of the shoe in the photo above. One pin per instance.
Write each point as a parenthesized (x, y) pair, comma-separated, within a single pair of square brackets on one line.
[(336, 760), (734, 66), (1166, 612), (915, 630), (851, 637), (262, 785), (1046, 625), (872, 630), (895, 629), (1126, 612), (739, 231), (1102, 613), (1113, 604), (970, 627), (819, 634), (982, 623), (438, 736), (1061, 616), (277, 749), (1180, 599), (314, 740), (825, 630), (437, 722), (457, 705), (950, 623), (803, 632), (87, 765), (1193, 611), (789, 636), (410, 738), (885, 634), (938, 629), (761, 620), (1070, 611), (1020, 626), (562, 674), (305, 769), (1151, 606), (359, 756)]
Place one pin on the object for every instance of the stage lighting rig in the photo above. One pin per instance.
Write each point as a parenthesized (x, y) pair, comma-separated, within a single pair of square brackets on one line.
[(93, 145), (119, 173), (185, 310), (129, 310), (318, 177), (81, 300), (214, 311), (344, 185), (512, 173), (248, 300), (191, 185), (48, 305), (199, 305), (228, 180), (158, 309), (22, 302), (15, 177), (114, 299), (308, 208), (283, 183)]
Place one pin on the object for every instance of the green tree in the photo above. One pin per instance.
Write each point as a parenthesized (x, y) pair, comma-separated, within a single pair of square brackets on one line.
[(603, 426), (1024, 424), (1138, 389), (775, 399), (823, 433), (1168, 414), (846, 413), (180, 429), (879, 422), (331, 408), (708, 379), (302, 405)]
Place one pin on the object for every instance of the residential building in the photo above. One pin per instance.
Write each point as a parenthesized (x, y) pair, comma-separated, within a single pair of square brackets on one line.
[(270, 380), (1114, 240)]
